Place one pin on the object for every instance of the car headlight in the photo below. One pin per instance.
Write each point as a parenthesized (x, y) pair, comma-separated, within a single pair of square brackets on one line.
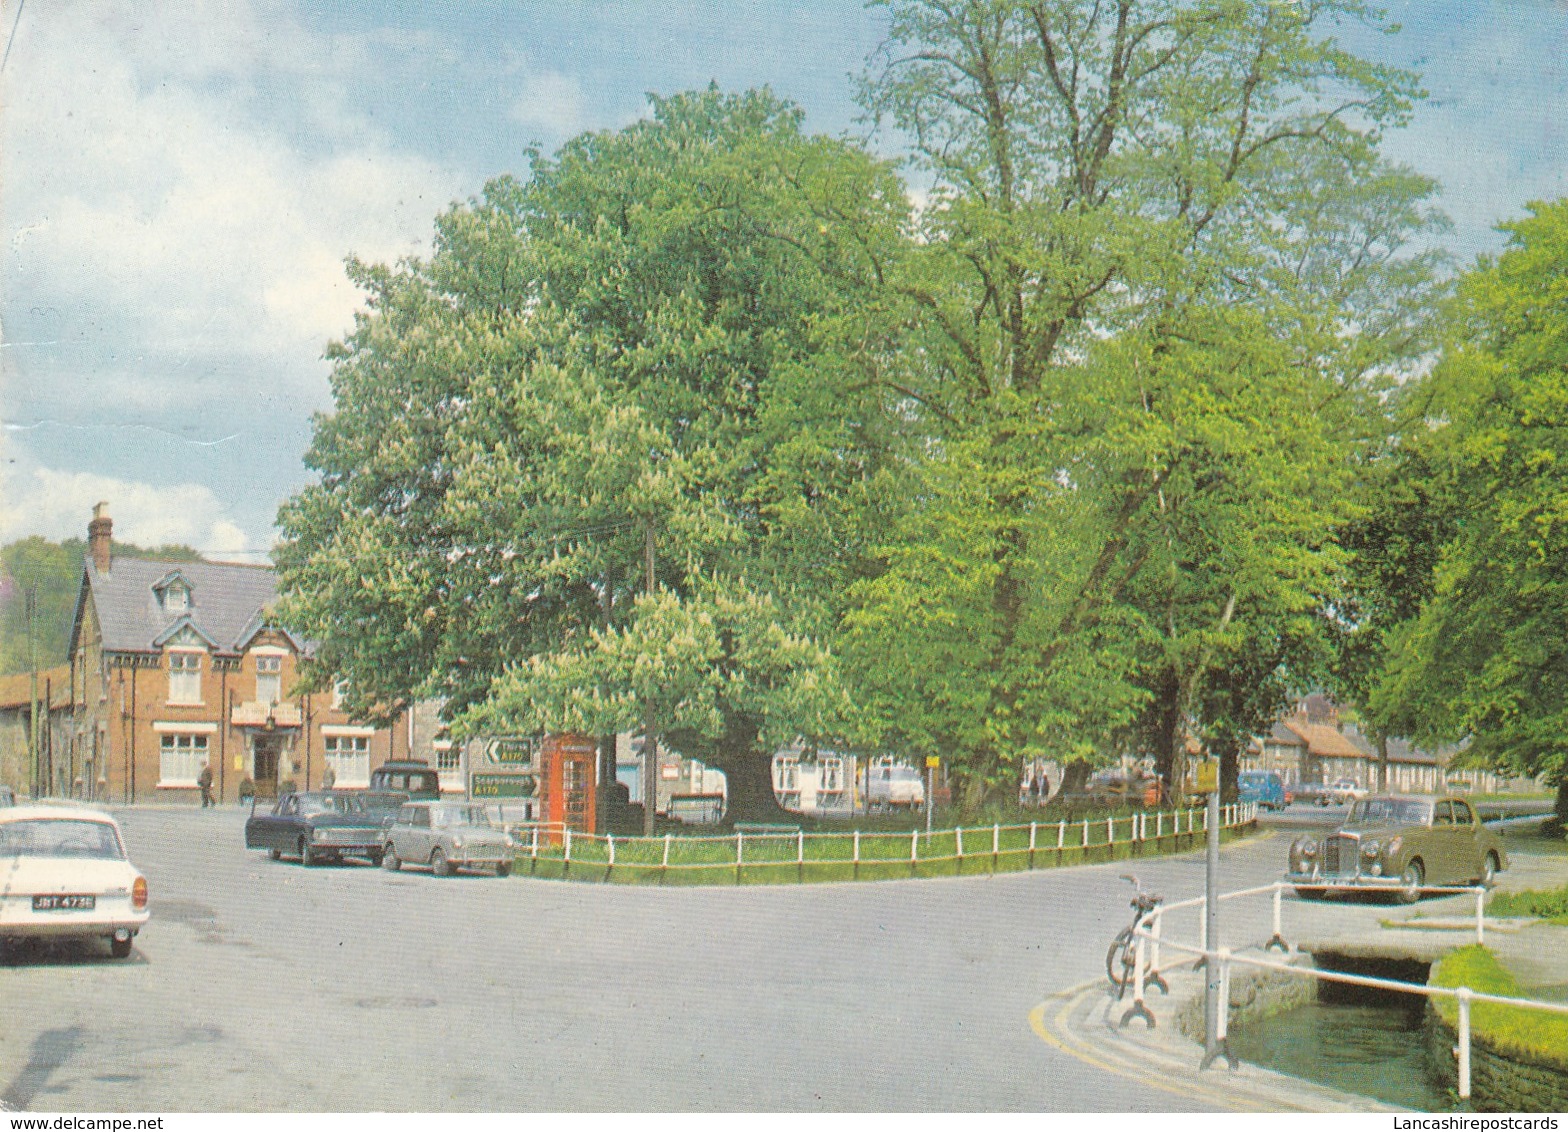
[(457, 842), (318, 834), (1305, 847), (1371, 847)]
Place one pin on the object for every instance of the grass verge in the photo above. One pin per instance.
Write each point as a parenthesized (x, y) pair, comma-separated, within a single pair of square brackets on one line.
[(1531, 1035), (1550, 905)]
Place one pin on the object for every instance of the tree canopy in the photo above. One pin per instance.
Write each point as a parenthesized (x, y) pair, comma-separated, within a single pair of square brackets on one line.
[(1054, 463), (1485, 658)]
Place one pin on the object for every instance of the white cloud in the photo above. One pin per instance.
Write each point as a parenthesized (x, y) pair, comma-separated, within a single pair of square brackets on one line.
[(57, 505), (155, 196), (551, 103)]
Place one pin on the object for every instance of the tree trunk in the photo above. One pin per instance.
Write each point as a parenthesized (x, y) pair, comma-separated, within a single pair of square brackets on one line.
[(1561, 805), (748, 772), (1381, 786)]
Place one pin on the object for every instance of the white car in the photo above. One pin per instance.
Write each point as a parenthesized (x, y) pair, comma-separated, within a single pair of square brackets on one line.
[(64, 875)]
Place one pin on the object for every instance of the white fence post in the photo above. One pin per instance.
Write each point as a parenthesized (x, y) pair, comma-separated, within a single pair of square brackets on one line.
[(740, 840), (1463, 1048), (1061, 834), (996, 843), (568, 845), (857, 847), (609, 840), (1480, 914), (1279, 923), (666, 862), (1086, 833), (534, 847), (958, 840), (1159, 824), (1110, 831), (800, 847), (914, 846)]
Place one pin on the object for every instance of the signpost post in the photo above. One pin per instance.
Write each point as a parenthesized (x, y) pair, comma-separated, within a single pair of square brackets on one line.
[(932, 762), (1214, 1045)]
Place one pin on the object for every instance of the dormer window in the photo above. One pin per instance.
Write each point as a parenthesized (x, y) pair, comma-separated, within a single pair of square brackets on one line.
[(174, 594)]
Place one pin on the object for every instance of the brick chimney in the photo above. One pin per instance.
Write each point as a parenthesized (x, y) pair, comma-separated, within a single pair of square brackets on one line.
[(98, 535)]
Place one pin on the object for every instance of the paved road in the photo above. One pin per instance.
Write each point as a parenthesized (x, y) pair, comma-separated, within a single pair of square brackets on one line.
[(264, 986)]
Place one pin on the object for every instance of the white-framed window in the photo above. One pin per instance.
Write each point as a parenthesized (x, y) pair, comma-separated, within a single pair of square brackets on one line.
[(786, 775), (184, 677), (180, 756), (349, 758), (269, 677), (832, 775)]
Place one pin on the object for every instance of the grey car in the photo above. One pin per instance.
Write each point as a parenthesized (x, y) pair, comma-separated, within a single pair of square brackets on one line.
[(446, 836)]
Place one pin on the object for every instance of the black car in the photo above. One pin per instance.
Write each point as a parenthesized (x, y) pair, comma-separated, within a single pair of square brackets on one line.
[(408, 776), (323, 825)]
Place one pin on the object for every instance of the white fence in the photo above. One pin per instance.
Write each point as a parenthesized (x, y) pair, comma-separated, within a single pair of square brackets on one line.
[(1151, 942), (780, 847)]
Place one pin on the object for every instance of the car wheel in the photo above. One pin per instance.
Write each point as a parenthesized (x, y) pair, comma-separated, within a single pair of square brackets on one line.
[(1410, 882), (120, 948), (390, 860), (503, 869), (375, 856), (306, 857), (439, 864), (1489, 869)]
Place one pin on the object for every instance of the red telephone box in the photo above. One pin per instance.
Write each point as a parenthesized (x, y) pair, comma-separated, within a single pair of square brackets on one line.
[(567, 784)]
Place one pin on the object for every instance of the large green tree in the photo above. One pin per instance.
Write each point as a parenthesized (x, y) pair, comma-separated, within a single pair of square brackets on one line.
[(669, 340), (1487, 656), (1162, 282)]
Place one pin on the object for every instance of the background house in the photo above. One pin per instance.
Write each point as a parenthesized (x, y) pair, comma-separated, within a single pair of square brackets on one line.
[(17, 767), (176, 664)]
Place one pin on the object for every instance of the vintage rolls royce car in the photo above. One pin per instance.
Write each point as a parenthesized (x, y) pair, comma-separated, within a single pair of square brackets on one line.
[(64, 875), (447, 836), (322, 825), (1400, 842)]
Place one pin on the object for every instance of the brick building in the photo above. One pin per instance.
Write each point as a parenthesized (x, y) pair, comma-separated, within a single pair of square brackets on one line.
[(174, 664)]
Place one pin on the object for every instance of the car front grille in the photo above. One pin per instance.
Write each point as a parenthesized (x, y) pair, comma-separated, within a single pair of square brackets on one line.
[(1341, 856)]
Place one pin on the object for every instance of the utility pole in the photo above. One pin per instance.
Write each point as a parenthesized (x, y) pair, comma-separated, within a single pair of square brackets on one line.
[(650, 746), (30, 604)]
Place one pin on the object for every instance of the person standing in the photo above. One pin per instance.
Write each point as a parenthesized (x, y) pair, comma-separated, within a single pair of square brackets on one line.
[(329, 778), (204, 780)]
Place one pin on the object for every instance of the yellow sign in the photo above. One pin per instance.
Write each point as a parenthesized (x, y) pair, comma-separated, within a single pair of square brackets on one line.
[(1206, 776), (239, 762), (933, 761)]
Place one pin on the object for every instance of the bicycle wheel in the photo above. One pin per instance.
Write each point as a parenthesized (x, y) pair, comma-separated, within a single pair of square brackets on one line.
[(1119, 960)]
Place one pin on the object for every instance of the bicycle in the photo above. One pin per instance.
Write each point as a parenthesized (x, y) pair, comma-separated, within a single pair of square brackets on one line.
[(1121, 960)]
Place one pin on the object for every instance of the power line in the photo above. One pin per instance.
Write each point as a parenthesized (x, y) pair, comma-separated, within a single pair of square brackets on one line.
[(12, 37)]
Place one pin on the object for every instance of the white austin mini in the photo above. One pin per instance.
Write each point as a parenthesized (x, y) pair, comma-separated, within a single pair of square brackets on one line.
[(64, 874)]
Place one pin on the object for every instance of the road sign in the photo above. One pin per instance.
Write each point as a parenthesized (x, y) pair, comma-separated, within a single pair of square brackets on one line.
[(933, 761), (502, 785), (513, 751), (1206, 777)]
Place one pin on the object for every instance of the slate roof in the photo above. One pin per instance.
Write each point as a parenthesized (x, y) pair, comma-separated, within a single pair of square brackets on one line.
[(225, 601)]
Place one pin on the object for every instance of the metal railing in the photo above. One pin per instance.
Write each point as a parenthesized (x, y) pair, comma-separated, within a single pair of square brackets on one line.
[(1151, 941), (1028, 845)]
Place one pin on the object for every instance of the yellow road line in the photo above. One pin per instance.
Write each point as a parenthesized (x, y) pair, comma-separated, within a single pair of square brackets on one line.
[(1195, 1091)]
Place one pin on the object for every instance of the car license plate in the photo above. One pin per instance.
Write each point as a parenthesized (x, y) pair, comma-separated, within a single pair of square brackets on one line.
[(64, 903)]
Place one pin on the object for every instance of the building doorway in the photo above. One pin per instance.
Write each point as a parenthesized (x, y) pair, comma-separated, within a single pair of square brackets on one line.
[(265, 756)]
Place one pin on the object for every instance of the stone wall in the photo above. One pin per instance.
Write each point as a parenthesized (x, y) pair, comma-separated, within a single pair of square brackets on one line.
[(1254, 994), (1498, 1083)]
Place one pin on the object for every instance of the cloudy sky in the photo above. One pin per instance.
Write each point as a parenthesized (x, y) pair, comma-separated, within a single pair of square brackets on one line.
[(181, 181)]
